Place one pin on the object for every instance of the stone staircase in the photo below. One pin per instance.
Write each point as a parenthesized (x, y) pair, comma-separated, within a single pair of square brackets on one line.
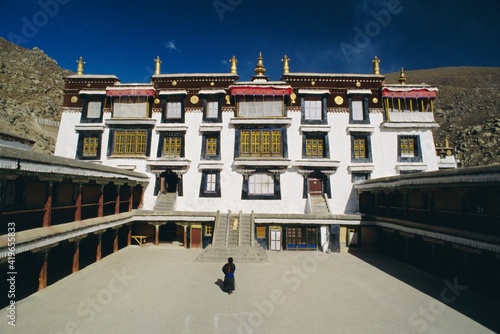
[(233, 238), (318, 204), (165, 201)]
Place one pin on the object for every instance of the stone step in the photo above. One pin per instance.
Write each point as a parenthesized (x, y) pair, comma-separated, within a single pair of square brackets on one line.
[(249, 254)]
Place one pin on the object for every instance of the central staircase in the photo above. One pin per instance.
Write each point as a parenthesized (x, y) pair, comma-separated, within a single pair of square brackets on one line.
[(165, 201), (232, 237)]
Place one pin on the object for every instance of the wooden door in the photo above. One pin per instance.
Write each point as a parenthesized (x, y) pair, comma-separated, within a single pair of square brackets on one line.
[(315, 186), (195, 237)]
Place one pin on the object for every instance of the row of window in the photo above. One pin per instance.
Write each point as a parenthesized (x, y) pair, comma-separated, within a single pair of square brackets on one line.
[(252, 143), (313, 111)]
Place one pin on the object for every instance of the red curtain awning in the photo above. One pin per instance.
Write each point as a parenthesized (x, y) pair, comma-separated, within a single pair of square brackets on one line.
[(131, 92), (409, 94), (263, 90)]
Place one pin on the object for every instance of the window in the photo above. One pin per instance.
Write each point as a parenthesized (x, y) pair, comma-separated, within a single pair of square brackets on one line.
[(302, 238), (360, 148), (358, 110), (409, 149), (174, 110), (314, 147), (261, 184), (210, 149), (260, 232), (209, 229), (211, 143), (212, 109), (260, 108), (130, 107), (359, 177), (130, 142), (210, 183), (91, 112), (312, 110), (90, 145), (172, 147), (260, 143)]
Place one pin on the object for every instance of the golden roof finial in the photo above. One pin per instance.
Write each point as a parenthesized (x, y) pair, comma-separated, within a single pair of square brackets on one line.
[(233, 61), (376, 66), (79, 68), (446, 142), (402, 78), (260, 70), (157, 67), (286, 67)]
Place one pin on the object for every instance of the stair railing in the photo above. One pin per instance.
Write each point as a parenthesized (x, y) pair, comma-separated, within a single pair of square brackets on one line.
[(308, 208), (325, 197), (239, 228), (216, 224), (228, 222), (252, 229)]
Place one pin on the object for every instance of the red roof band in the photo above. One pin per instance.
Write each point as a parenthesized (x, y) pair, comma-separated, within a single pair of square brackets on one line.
[(420, 93), (130, 92), (267, 91)]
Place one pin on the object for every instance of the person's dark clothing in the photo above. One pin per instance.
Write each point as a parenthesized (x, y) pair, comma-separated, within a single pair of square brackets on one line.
[(229, 283)]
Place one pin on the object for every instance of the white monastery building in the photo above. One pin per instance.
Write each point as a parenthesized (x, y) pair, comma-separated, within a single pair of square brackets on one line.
[(284, 153)]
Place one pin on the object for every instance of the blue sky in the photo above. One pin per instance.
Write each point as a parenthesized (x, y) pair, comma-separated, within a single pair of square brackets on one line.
[(200, 36)]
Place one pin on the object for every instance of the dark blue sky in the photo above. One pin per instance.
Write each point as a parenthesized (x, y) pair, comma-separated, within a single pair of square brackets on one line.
[(200, 36)]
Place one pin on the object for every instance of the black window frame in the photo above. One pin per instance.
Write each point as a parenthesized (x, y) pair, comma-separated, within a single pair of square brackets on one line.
[(164, 118), (161, 143), (284, 141), (366, 112), (417, 149), (111, 142), (323, 119), (326, 145), (217, 119), (80, 145), (368, 147), (277, 187), (203, 189), (85, 105), (204, 155)]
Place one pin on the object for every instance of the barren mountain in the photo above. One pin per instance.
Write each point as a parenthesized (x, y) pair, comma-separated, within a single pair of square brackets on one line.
[(31, 87), (467, 107)]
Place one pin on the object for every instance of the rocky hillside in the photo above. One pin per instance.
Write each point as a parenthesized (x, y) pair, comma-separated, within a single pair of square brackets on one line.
[(31, 87), (467, 109)]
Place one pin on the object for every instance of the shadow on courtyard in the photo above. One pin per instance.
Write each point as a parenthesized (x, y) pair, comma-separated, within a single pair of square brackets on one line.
[(450, 291)]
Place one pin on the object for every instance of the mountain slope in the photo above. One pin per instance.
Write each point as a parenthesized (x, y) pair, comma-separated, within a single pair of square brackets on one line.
[(31, 87)]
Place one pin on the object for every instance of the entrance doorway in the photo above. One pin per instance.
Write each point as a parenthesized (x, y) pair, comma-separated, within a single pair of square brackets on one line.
[(196, 236), (315, 186), (169, 184)]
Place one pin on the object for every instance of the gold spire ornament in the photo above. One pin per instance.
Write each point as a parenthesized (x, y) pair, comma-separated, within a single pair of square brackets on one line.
[(260, 70), (286, 67), (402, 77), (233, 61), (79, 68), (158, 65), (376, 66)]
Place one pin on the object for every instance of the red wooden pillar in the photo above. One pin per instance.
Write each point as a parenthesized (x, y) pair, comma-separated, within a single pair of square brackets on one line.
[(115, 241), (47, 212), (131, 199), (98, 255), (78, 210), (129, 235), (100, 204), (117, 200), (76, 257), (157, 235), (42, 277)]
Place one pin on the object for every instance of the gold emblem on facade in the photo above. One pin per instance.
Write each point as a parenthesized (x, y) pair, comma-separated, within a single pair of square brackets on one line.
[(358, 84), (212, 83), (194, 99), (375, 100), (89, 84), (293, 97), (313, 83), (157, 101), (74, 99), (228, 99), (338, 100), (174, 83)]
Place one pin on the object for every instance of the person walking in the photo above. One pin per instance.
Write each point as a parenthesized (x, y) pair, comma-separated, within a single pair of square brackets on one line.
[(228, 269)]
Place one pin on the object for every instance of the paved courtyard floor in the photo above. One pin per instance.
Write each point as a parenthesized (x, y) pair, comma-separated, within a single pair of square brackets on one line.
[(162, 290)]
